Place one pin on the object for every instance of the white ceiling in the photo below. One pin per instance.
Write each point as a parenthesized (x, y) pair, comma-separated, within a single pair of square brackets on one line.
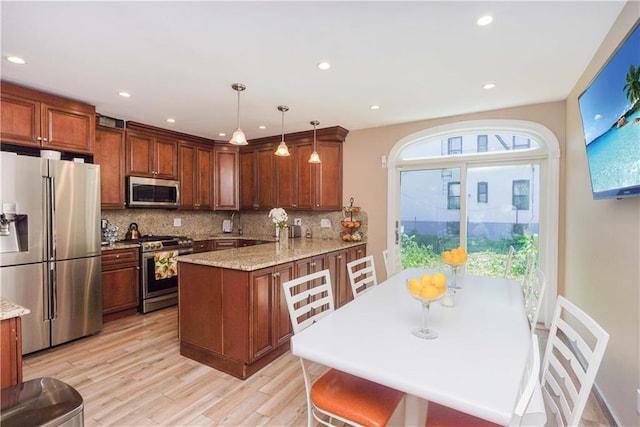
[(417, 60)]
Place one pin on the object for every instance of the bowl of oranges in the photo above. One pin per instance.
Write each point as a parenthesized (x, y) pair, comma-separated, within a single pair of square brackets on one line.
[(427, 289), (455, 258)]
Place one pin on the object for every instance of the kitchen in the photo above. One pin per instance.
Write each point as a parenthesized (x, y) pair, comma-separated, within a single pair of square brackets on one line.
[(615, 225)]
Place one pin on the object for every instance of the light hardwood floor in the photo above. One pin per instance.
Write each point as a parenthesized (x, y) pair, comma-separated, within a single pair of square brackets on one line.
[(132, 374)]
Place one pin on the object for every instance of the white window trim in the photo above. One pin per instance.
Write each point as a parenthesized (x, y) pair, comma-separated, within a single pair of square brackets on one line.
[(548, 155)]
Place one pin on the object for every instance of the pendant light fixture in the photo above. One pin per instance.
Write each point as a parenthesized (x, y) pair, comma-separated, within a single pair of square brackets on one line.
[(238, 137), (314, 158), (282, 150)]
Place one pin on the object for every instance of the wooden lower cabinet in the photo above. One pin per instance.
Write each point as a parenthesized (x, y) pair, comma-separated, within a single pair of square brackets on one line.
[(11, 352), (238, 321), (120, 283), (200, 246)]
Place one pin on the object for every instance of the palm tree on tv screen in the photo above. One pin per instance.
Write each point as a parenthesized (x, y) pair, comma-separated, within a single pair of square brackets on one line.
[(632, 87)]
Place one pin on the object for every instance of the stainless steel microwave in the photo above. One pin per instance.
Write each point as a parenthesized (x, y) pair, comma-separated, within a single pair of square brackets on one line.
[(152, 192)]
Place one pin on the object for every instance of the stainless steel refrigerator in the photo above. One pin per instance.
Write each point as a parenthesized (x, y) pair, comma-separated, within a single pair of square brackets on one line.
[(50, 247)]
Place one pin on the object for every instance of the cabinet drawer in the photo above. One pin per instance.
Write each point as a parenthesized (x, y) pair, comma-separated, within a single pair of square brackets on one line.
[(225, 244), (202, 246), (119, 258)]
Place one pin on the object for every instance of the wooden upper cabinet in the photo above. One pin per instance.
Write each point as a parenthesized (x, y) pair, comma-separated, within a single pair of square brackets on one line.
[(328, 176), (195, 175), (257, 178), (294, 177), (38, 119), (109, 154), (150, 155), (226, 192)]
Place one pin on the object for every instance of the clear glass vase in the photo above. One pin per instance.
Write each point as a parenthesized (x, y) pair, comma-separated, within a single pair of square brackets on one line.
[(283, 238)]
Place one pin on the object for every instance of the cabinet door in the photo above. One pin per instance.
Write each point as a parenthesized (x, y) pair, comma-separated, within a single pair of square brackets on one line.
[(261, 322), (248, 183), (20, 120), (309, 265), (109, 154), (226, 179), (10, 352), (356, 252), (304, 176), (328, 180), (204, 178), (187, 176), (285, 176), (67, 129), (119, 289), (337, 265), (165, 164), (282, 321), (139, 154), (266, 185)]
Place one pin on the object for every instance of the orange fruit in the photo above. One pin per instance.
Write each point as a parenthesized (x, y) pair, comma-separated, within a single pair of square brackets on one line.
[(439, 280), (414, 287), (425, 280), (429, 292)]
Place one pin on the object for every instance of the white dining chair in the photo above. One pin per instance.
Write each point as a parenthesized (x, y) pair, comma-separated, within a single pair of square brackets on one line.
[(533, 289), (392, 260), (575, 348), (334, 395), (441, 416), (507, 266), (362, 275), (531, 261)]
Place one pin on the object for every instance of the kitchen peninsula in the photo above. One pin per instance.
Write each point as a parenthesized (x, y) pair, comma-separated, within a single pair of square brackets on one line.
[(232, 312)]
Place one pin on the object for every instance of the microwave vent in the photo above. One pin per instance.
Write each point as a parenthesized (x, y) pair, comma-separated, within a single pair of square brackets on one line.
[(111, 122)]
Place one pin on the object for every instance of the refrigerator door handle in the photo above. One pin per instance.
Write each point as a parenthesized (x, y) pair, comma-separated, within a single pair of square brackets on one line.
[(53, 292), (51, 220)]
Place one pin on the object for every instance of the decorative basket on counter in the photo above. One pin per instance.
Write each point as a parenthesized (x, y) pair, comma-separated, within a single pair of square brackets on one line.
[(351, 232)]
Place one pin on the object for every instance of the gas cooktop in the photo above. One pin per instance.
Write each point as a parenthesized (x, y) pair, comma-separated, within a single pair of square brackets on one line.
[(151, 242)]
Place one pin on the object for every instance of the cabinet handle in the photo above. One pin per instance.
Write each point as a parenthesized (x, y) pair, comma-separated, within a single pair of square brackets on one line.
[(117, 256), (45, 139), (39, 138), (339, 256)]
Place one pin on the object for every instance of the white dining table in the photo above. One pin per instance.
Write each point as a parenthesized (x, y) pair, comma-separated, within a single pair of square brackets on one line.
[(475, 365)]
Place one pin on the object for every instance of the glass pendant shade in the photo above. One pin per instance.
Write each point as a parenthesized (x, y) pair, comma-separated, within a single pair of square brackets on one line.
[(314, 157), (282, 150), (238, 137)]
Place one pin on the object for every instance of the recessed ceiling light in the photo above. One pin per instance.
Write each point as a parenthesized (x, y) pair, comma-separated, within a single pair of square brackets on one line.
[(16, 60), (262, 127), (488, 86), (124, 94), (374, 107), (171, 120), (222, 134), (484, 20), (323, 65)]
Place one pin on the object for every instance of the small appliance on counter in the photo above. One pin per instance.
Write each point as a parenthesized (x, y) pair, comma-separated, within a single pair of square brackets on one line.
[(295, 231), (133, 232)]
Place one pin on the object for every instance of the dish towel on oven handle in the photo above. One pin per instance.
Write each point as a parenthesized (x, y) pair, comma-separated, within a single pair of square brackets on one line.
[(166, 265)]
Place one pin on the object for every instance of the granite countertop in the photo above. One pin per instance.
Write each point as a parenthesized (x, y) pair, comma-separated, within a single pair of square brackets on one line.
[(120, 245), (233, 236), (252, 258), (9, 310)]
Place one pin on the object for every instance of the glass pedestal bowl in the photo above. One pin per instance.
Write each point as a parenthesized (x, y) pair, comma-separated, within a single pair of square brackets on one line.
[(455, 282), (424, 331)]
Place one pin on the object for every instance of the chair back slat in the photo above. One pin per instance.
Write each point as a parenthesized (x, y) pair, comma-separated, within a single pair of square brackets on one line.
[(362, 274), (575, 349), (529, 381), (309, 299)]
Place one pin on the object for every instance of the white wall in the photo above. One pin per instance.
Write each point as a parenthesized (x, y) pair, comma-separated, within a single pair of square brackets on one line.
[(602, 257)]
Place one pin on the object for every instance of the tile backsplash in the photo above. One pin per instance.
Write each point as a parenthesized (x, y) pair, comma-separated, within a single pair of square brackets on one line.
[(193, 223)]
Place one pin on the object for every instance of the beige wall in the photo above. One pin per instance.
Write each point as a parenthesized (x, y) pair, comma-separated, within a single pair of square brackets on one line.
[(366, 180), (602, 261)]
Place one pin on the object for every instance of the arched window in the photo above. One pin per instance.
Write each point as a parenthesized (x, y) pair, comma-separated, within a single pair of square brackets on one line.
[(485, 185)]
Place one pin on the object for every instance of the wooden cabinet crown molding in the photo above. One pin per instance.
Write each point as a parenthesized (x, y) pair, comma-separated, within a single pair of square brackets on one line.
[(46, 97), (334, 133)]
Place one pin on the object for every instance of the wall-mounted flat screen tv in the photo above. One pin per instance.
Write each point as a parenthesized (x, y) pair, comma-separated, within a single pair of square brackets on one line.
[(610, 112)]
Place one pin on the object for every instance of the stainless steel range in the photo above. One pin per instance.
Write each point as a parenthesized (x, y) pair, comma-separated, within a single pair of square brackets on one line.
[(159, 270)]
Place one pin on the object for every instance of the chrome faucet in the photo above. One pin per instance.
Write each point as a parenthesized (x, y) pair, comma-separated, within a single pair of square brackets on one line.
[(233, 227)]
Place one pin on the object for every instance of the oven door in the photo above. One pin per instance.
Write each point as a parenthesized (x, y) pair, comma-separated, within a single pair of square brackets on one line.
[(160, 272)]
